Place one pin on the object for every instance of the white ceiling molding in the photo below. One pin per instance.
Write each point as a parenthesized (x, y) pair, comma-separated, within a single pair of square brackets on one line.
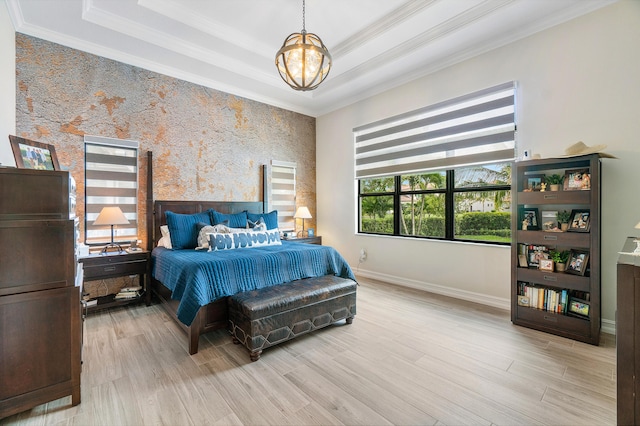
[(230, 46)]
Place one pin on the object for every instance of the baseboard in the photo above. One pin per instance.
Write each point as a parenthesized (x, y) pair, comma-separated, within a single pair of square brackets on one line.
[(606, 326), (496, 302)]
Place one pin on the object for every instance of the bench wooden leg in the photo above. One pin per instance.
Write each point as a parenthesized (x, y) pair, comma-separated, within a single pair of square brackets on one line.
[(349, 320)]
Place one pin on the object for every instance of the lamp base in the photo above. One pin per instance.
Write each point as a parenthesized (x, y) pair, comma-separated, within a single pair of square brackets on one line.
[(105, 250)]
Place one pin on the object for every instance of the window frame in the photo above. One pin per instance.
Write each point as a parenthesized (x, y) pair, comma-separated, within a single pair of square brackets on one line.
[(450, 191)]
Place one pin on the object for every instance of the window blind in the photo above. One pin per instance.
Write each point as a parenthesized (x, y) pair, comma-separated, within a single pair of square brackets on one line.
[(111, 179), (282, 193), (477, 128)]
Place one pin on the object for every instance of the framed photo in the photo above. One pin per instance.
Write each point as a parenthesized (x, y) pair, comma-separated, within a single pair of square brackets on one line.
[(546, 265), (522, 261), (523, 301), (534, 182), (535, 256), (311, 232), (580, 221), (33, 155), (577, 263), (549, 220), (578, 307), (530, 218), (577, 180)]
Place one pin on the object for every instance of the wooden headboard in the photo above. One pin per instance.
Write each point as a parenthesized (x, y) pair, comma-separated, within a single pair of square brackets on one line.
[(156, 209)]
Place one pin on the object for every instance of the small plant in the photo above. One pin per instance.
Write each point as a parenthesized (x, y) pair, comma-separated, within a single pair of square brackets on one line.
[(561, 256), (564, 216), (554, 179)]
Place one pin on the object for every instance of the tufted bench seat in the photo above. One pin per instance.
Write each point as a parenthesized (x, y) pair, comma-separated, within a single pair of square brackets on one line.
[(262, 318)]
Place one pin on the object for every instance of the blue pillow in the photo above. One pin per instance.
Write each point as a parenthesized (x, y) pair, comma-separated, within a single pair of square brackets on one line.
[(183, 228), (236, 220), (271, 218)]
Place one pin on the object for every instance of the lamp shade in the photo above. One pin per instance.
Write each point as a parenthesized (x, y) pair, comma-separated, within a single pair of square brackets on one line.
[(111, 216), (302, 213), (637, 226)]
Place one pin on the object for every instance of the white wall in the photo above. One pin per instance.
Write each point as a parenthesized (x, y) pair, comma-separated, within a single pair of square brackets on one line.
[(7, 86), (577, 81)]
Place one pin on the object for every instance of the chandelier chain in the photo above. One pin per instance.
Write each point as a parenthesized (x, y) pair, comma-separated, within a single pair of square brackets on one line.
[(303, 22)]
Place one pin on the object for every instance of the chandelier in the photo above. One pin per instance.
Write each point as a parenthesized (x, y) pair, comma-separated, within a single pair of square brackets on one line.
[(303, 61)]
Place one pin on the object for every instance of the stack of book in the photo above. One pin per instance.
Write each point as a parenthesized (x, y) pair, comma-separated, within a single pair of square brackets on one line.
[(128, 293)]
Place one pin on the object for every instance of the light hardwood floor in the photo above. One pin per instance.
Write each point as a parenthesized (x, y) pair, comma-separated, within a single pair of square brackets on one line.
[(408, 358)]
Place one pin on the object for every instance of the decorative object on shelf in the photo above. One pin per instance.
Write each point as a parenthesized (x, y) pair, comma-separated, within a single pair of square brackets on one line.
[(534, 182), (546, 265), (549, 221), (560, 258), (580, 148), (579, 307), (530, 219), (577, 180), (33, 155), (302, 213), (563, 218), (303, 61), (311, 232), (580, 221), (578, 260), (554, 181), (111, 216)]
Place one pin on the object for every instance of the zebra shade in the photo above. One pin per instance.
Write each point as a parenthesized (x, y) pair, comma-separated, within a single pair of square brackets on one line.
[(477, 128)]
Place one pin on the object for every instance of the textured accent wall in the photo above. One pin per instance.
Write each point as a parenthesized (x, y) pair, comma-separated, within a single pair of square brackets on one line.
[(206, 144)]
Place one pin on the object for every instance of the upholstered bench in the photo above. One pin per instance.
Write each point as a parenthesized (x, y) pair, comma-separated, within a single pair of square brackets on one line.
[(262, 318)]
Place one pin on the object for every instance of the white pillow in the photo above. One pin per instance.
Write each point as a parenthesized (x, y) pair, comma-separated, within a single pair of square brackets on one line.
[(203, 235), (247, 239), (166, 238)]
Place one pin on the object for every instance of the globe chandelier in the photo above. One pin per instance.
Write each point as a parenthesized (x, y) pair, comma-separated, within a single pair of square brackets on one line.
[(303, 61)]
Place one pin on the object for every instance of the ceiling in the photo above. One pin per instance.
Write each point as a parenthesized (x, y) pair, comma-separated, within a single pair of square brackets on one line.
[(230, 45)]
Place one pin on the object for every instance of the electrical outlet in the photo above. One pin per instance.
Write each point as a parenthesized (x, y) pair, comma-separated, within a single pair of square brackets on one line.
[(363, 255)]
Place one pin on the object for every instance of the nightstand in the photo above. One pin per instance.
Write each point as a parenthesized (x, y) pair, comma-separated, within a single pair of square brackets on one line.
[(114, 265), (307, 240)]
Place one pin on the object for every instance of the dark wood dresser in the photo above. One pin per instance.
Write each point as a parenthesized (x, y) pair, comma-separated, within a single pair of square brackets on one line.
[(40, 325), (628, 334)]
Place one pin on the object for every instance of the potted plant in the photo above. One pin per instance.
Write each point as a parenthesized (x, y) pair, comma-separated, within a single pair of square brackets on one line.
[(560, 258), (554, 181), (563, 218)]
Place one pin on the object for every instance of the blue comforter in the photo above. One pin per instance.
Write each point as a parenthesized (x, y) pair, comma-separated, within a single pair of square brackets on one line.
[(197, 278)]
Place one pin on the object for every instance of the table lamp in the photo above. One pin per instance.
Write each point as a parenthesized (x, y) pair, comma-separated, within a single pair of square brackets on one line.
[(302, 213), (111, 216)]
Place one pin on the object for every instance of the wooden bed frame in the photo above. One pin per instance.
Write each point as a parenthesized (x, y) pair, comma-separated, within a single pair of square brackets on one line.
[(213, 316)]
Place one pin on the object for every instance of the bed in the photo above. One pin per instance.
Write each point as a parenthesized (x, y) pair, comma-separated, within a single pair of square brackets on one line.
[(193, 286)]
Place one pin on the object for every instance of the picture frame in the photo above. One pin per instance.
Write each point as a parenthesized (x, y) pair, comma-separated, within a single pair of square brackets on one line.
[(530, 217), (311, 232), (523, 301), (534, 182), (577, 180), (522, 261), (549, 220), (546, 265), (33, 155), (578, 261), (578, 307), (580, 221)]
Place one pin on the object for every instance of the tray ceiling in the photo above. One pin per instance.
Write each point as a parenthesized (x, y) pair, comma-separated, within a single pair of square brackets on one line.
[(230, 45)]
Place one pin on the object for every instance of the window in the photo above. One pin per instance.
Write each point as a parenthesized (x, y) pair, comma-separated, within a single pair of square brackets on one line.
[(282, 192), (475, 207), (443, 171), (111, 179)]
